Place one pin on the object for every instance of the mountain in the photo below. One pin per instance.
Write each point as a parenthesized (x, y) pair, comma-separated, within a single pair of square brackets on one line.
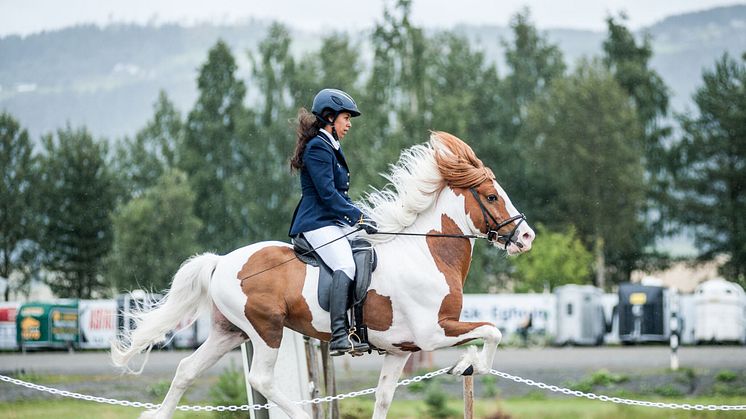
[(107, 78)]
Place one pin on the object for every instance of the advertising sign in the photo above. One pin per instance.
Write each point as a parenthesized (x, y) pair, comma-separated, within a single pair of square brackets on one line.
[(8, 311), (98, 323), (509, 311)]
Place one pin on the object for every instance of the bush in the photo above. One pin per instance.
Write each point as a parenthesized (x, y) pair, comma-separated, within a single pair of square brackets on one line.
[(436, 401), (489, 384), (726, 376), (230, 390), (601, 378), (159, 389), (668, 390)]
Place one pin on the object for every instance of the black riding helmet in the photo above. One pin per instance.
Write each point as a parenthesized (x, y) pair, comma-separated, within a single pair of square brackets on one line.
[(335, 100)]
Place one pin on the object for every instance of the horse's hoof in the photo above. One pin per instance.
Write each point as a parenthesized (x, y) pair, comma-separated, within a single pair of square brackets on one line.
[(456, 371)]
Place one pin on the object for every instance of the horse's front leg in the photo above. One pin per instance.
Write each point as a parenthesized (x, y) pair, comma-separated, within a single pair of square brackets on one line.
[(393, 364), (457, 332)]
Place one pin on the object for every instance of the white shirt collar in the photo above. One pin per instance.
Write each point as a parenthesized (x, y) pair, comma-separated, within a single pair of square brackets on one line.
[(331, 138)]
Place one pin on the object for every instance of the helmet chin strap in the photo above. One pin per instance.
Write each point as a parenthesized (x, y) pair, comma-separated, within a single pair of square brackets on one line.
[(334, 129)]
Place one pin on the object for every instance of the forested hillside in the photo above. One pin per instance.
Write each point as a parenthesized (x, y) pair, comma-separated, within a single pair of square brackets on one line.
[(108, 78)]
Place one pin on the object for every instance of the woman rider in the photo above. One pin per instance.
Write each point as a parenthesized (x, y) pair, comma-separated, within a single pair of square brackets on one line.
[(325, 211)]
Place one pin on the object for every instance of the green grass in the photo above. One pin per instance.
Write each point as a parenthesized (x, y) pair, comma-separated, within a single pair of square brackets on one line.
[(75, 409), (401, 409)]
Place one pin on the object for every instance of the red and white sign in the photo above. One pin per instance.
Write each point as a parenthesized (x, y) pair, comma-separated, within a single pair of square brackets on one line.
[(98, 323), (8, 312)]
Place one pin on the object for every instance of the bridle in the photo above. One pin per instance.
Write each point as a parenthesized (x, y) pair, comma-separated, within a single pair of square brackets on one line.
[(493, 233)]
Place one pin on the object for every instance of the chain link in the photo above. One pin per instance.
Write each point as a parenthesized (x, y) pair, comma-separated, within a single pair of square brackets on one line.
[(199, 408), (617, 400), (402, 383)]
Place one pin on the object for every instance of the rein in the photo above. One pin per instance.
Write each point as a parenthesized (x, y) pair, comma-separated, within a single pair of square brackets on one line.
[(493, 234)]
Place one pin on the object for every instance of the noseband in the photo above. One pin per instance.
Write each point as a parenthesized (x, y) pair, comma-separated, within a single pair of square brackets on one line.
[(493, 234)]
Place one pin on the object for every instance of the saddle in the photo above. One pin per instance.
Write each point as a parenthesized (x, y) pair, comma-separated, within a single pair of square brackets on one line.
[(365, 263)]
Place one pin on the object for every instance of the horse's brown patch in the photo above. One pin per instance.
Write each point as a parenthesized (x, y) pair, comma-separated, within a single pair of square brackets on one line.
[(461, 342), (452, 257), (378, 314), (407, 347), (274, 295), (497, 209)]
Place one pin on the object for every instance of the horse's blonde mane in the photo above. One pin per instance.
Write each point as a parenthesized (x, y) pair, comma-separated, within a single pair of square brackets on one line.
[(422, 171)]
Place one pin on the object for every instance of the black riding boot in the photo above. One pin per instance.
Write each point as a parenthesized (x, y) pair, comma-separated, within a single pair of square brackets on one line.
[(340, 343)]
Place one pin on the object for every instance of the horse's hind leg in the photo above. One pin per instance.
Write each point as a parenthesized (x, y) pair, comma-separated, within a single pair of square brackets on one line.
[(393, 364), (261, 378), (221, 340)]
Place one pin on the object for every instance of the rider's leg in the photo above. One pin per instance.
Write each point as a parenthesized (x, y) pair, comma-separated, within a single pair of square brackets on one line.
[(338, 256)]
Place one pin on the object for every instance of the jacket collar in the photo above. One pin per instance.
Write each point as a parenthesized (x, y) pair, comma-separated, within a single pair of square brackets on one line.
[(337, 150)]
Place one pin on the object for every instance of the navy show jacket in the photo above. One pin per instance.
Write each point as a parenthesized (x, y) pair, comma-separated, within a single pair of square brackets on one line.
[(325, 181)]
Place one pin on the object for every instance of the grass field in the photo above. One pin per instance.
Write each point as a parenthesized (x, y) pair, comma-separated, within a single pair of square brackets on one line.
[(402, 409)]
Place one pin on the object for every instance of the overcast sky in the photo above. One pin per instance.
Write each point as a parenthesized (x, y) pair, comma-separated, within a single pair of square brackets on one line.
[(30, 16)]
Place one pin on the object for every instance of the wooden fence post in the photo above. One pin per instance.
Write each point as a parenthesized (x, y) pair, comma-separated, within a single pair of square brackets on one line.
[(468, 397)]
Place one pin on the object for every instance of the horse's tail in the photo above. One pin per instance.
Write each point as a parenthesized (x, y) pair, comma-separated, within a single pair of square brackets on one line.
[(187, 297)]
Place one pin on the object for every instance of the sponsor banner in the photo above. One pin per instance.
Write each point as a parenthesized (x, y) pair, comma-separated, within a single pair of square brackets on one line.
[(98, 323), (510, 311), (8, 312)]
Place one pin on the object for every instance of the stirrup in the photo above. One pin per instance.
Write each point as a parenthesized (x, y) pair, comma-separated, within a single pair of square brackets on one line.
[(353, 351)]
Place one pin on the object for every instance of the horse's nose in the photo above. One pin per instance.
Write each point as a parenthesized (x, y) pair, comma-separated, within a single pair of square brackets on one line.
[(527, 237)]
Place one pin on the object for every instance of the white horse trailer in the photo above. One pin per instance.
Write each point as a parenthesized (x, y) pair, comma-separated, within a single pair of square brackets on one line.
[(580, 315), (721, 312)]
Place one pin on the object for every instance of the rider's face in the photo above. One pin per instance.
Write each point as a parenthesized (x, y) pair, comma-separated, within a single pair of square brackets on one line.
[(342, 124)]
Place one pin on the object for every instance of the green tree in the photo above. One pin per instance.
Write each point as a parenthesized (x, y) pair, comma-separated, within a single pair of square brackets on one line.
[(711, 166), (629, 62), (213, 151), (77, 187), (556, 258), (396, 89), (268, 149), (586, 147), (272, 69), (533, 64), (18, 215), (141, 161), (153, 234)]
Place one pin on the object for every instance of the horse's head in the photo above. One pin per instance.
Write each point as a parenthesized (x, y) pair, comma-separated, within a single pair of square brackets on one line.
[(487, 205)]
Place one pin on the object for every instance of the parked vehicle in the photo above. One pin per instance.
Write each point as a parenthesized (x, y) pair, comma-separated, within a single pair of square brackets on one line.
[(643, 313), (44, 325), (580, 315), (720, 308)]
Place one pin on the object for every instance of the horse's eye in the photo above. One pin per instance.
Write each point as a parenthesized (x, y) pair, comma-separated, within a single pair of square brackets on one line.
[(492, 198)]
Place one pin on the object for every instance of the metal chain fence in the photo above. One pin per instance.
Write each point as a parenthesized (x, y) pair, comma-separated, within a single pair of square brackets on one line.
[(246, 407)]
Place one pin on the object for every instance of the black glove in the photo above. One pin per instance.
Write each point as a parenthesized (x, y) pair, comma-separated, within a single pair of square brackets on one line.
[(370, 226)]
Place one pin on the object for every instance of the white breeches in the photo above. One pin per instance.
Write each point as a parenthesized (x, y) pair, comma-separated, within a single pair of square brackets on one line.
[(336, 255)]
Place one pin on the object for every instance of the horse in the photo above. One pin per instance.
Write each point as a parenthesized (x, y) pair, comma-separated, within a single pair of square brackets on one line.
[(440, 199)]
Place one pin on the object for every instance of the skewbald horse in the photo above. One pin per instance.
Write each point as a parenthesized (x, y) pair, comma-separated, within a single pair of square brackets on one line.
[(414, 300)]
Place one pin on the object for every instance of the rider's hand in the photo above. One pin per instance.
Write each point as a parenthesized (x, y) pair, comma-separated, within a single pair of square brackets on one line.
[(370, 226)]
